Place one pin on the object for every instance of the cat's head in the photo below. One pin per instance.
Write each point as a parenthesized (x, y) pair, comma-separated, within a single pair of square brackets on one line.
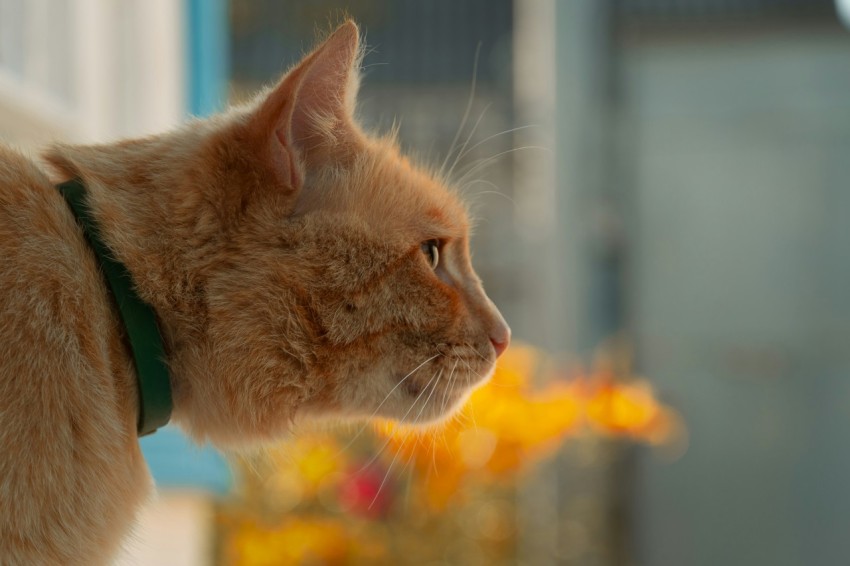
[(345, 288)]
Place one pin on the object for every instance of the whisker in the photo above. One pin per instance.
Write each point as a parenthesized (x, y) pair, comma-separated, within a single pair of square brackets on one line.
[(416, 421), (466, 112), (250, 465), (480, 355), (448, 388), (434, 457), (409, 486), (387, 441), (466, 142), (469, 367), (387, 474), (408, 469), (452, 379), (496, 191), (491, 383), (370, 65), (425, 404), (488, 138), (477, 165), (472, 417), (381, 404)]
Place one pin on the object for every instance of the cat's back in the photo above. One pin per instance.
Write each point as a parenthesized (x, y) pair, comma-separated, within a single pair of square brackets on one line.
[(67, 435), (28, 205), (46, 273), (40, 247)]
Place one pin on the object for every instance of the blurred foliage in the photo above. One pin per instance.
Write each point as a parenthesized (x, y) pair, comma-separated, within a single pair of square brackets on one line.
[(386, 493)]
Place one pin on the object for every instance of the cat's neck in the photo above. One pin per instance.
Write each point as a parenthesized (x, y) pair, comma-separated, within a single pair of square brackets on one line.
[(145, 199)]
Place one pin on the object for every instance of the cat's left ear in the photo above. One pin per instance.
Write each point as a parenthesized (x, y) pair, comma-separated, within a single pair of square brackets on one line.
[(311, 107)]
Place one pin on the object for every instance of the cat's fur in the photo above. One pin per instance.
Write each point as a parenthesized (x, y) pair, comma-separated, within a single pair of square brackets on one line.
[(281, 248)]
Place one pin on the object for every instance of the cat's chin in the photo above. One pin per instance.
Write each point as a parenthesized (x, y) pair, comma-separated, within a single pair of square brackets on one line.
[(429, 403), (443, 414), (431, 415), (402, 397)]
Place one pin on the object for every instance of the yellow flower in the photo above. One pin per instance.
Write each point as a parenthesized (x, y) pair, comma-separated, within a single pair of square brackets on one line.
[(293, 542), (622, 408), (507, 424), (305, 464)]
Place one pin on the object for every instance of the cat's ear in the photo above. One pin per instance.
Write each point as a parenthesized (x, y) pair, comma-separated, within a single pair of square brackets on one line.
[(312, 105)]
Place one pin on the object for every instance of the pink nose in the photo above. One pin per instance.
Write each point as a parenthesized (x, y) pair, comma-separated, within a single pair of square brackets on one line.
[(500, 339), (500, 346)]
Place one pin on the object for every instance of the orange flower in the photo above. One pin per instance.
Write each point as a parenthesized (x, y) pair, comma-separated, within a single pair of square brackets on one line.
[(509, 424), (506, 425), (295, 541), (617, 403), (622, 408), (305, 464)]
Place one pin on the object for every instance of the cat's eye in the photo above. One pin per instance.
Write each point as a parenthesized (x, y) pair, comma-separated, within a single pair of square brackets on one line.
[(431, 249)]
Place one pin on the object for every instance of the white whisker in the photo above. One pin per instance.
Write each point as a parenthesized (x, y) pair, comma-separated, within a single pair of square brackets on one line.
[(488, 138), (425, 404), (496, 190), (472, 417), (466, 142), (381, 404), (465, 113), (416, 421), (387, 441), (477, 165), (469, 367), (448, 388), (405, 469), (387, 474)]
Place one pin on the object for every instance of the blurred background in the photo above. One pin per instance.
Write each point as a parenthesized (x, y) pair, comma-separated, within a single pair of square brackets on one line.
[(661, 189)]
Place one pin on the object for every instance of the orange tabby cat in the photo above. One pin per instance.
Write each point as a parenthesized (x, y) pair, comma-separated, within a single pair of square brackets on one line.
[(297, 267)]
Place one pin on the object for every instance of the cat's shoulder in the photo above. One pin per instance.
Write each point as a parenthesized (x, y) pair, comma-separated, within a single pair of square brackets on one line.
[(17, 165), (39, 239), (22, 179)]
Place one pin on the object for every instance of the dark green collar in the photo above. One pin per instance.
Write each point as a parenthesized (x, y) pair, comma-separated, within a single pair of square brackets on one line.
[(138, 318)]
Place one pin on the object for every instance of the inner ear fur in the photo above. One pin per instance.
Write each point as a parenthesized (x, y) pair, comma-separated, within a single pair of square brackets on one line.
[(311, 108)]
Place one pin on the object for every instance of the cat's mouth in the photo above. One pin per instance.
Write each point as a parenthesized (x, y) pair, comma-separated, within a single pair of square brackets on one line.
[(456, 380), (441, 392)]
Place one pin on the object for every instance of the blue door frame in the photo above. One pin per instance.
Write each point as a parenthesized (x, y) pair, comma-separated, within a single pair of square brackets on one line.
[(174, 460), (207, 60)]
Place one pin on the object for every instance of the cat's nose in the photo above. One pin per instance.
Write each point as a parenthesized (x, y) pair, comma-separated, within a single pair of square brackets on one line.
[(494, 324), (500, 336), (499, 346)]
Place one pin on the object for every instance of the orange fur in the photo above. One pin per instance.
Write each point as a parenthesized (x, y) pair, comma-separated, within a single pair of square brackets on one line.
[(280, 247)]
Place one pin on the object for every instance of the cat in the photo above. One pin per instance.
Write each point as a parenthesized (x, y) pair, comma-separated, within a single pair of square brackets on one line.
[(298, 268)]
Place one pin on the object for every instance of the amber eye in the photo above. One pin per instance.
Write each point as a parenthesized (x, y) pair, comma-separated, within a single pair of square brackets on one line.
[(431, 249)]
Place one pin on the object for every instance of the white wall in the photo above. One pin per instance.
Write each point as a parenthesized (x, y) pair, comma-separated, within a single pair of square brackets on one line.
[(90, 70)]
